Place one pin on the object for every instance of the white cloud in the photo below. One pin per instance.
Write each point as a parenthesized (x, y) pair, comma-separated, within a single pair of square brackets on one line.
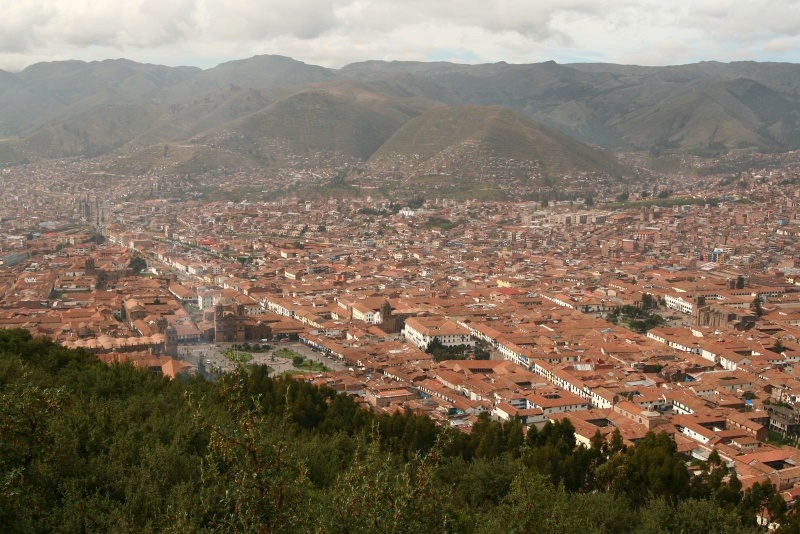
[(259, 19), (745, 20), (336, 32)]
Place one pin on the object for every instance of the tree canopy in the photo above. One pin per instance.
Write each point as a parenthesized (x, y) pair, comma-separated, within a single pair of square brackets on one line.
[(90, 447)]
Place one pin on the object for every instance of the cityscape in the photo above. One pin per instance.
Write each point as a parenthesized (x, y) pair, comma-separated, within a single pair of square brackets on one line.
[(363, 267), (677, 314)]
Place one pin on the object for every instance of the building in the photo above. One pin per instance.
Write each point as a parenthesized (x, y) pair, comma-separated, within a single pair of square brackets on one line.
[(422, 330)]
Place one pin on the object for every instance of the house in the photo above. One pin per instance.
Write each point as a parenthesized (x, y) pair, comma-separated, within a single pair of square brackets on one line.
[(422, 330)]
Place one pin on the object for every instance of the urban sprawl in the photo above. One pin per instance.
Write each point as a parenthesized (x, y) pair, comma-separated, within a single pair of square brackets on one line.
[(682, 317)]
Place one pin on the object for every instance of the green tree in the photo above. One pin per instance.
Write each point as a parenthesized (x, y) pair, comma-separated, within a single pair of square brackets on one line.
[(652, 468), (691, 515), (755, 502), (374, 495), (617, 444), (534, 504), (415, 202), (479, 483), (25, 448), (254, 480), (757, 306), (790, 523), (482, 354), (137, 264)]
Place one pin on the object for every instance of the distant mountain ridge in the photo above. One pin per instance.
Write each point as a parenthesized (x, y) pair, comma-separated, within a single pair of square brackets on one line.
[(368, 109)]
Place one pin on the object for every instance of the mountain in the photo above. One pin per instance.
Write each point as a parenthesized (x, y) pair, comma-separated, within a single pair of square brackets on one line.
[(740, 111), (258, 72), (501, 133), (345, 121), (59, 90), (628, 107), (277, 104), (347, 118)]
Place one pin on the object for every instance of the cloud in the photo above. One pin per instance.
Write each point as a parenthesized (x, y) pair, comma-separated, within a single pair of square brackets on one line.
[(748, 21), (17, 23), (29, 24), (336, 32), (259, 19), (781, 45), (529, 19)]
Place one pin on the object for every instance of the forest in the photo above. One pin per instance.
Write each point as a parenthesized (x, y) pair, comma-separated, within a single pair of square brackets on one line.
[(90, 447)]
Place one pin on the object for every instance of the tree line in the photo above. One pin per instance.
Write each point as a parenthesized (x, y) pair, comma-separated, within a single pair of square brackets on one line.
[(90, 447)]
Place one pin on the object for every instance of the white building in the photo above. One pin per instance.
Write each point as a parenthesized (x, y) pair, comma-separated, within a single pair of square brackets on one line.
[(422, 330)]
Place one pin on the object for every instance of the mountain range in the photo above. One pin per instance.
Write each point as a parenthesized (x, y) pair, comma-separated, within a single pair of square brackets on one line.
[(266, 108)]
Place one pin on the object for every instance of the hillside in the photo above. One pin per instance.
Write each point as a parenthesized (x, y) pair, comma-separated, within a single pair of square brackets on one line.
[(499, 131), (335, 123), (624, 107), (90, 447), (47, 92), (90, 108), (714, 112), (259, 72), (344, 118), (599, 103)]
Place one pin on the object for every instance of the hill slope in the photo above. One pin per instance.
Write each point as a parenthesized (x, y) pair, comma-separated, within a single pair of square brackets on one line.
[(347, 118), (621, 107), (611, 105), (499, 131)]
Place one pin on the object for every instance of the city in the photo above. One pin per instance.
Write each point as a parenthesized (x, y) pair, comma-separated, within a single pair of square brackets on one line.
[(624, 317)]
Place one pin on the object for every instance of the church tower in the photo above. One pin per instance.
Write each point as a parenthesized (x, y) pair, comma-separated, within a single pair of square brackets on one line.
[(171, 344)]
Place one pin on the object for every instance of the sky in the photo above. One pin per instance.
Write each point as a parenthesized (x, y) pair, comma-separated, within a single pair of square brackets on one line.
[(333, 33)]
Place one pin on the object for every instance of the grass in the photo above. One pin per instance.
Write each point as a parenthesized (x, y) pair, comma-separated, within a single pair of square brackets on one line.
[(662, 202), (249, 369), (775, 439), (671, 163), (433, 178), (237, 357), (311, 365), (306, 364), (286, 353), (438, 222)]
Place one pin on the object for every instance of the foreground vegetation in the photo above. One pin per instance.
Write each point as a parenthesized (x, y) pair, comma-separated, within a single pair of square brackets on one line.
[(86, 447)]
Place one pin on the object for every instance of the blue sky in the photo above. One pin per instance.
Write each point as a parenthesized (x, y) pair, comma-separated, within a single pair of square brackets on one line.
[(205, 33)]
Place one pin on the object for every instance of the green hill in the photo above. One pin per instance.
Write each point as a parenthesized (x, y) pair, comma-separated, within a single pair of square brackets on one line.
[(623, 106), (500, 132), (345, 118), (277, 104), (91, 447), (620, 107), (736, 113)]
